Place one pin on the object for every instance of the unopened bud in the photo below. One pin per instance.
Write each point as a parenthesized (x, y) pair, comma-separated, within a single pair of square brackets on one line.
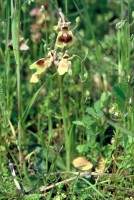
[(42, 9), (77, 20)]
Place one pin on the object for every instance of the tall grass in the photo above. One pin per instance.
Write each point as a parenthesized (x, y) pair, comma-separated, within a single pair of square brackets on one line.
[(15, 19), (7, 54)]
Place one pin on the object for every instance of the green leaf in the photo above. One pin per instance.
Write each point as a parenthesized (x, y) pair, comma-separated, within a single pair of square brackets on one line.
[(122, 129), (79, 123), (122, 93), (94, 187), (104, 97), (52, 156), (87, 120), (55, 158), (82, 148), (120, 24), (32, 196), (91, 111), (97, 107)]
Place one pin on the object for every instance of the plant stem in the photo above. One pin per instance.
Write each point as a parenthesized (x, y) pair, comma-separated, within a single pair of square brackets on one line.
[(123, 41), (89, 28), (7, 53), (82, 89), (64, 116), (50, 129), (15, 11), (66, 7)]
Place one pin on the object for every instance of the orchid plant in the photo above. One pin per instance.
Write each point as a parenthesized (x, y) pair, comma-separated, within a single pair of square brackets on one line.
[(60, 60)]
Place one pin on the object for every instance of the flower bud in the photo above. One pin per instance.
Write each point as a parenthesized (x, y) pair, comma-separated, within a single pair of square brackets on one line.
[(77, 20)]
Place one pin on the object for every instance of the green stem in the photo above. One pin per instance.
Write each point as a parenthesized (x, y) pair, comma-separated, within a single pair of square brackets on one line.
[(82, 100), (123, 43), (64, 116), (19, 86), (82, 89), (15, 12), (119, 55), (66, 7), (89, 28), (50, 129), (7, 53)]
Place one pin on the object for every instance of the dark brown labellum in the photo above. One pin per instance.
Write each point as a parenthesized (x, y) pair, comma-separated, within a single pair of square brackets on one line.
[(41, 62), (66, 38)]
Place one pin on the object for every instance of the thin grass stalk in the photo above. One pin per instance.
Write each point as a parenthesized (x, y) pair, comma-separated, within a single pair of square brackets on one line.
[(119, 44), (89, 24), (82, 89), (119, 55), (127, 49), (19, 86), (66, 7), (15, 11), (130, 112), (89, 30), (94, 188), (82, 83), (82, 98), (128, 40), (123, 41), (7, 55), (50, 129), (132, 126), (64, 116)]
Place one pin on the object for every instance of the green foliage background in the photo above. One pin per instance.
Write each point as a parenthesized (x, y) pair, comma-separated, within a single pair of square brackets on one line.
[(98, 97)]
